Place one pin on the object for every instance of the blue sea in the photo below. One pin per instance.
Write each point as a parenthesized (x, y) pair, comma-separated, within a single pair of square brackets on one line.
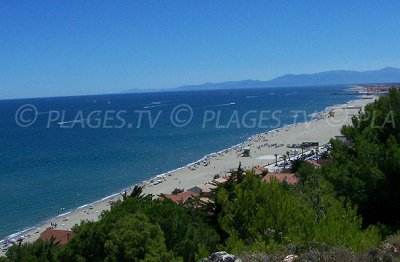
[(60, 153)]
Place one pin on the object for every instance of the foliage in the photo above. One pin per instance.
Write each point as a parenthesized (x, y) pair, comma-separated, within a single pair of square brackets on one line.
[(366, 172), (182, 233), (296, 163), (39, 251), (265, 216)]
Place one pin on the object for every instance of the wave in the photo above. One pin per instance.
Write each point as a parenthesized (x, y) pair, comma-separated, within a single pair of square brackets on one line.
[(154, 106), (78, 120), (291, 94), (42, 113), (221, 105), (64, 214), (73, 121)]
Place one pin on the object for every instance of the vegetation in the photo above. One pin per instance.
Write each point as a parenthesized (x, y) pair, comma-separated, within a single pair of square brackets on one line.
[(338, 212), (366, 172)]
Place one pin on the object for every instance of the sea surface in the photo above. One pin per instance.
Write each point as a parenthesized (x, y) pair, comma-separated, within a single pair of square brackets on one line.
[(81, 149)]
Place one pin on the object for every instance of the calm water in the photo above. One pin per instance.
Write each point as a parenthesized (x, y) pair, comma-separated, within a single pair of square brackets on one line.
[(45, 171)]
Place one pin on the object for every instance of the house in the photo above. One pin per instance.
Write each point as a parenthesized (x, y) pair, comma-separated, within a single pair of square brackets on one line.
[(260, 171), (289, 178), (196, 189), (60, 236), (181, 197), (205, 190)]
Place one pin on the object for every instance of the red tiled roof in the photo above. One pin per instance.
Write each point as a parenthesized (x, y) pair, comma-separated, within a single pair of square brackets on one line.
[(61, 236), (282, 177), (181, 197), (260, 170)]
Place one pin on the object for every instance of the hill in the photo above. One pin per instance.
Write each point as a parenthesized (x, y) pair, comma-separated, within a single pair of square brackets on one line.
[(336, 77)]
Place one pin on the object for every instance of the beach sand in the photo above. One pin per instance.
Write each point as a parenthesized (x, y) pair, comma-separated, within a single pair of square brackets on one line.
[(321, 130)]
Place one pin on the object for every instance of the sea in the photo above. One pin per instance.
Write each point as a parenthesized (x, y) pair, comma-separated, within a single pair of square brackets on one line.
[(57, 154)]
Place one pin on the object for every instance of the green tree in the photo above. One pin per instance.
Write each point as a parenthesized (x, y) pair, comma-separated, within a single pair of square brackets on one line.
[(135, 238), (366, 171), (46, 251)]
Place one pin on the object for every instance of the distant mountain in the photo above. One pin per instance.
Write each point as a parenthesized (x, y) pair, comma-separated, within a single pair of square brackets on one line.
[(385, 75), (225, 85), (337, 77)]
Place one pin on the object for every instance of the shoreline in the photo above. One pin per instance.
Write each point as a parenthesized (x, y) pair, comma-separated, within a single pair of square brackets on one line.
[(201, 173)]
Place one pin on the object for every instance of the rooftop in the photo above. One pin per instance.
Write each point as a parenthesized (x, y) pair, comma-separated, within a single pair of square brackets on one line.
[(289, 178), (181, 197), (61, 236)]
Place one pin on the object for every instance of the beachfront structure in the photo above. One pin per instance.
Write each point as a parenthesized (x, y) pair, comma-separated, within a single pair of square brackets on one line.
[(205, 190), (246, 151), (289, 178), (181, 198), (260, 171), (219, 181), (196, 189), (62, 237)]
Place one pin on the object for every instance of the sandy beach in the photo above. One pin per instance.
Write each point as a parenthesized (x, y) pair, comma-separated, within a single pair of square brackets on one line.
[(321, 130)]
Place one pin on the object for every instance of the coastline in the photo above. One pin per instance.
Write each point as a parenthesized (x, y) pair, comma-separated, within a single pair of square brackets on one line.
[(221, 162)]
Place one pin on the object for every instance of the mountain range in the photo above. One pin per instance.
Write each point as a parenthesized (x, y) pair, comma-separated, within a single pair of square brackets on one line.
[(336, 77)]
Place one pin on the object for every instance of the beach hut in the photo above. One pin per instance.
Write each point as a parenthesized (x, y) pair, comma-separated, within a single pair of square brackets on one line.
[(246, 151)]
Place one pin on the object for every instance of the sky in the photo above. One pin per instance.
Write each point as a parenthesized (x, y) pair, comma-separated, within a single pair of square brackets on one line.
[(61, 48)]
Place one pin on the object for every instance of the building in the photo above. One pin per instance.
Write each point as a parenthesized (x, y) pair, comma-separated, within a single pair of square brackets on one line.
[(260, 171), (289, 178), (181, 197), (246, 151), (196, 189), (62, 237), (205, 190), (219, 180)]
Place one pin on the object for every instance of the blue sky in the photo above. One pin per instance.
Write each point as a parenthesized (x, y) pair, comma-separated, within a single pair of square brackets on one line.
[(56, 48)]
